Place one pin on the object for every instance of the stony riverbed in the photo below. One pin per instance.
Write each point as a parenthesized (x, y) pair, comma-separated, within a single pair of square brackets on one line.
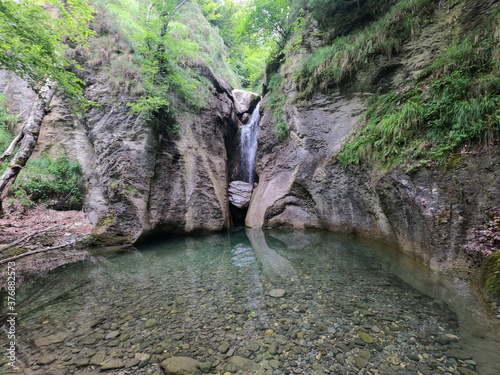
[(224, 305)]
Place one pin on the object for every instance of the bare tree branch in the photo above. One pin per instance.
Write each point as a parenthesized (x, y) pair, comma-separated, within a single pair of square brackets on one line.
[(12, 146), (22, 239), (35, 252)]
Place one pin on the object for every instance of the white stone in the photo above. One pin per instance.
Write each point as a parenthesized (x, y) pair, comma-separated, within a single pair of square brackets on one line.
[(244, 100), (240, 193), (277, 293)]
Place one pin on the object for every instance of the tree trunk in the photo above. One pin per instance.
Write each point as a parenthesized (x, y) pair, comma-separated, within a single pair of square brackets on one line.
[(27, 139)]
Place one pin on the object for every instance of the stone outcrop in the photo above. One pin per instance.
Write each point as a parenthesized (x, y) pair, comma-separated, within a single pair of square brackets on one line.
[(148, 180), (240, 193)]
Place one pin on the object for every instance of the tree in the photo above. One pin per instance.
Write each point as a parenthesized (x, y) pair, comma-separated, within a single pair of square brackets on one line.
[(32, 43), (32, 40), (266, 19), (159, 56)]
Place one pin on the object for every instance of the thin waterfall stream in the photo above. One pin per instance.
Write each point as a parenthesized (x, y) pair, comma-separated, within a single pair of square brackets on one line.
[(249, 135)]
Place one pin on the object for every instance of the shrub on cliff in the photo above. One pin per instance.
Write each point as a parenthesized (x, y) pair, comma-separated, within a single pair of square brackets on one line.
[(51, 180)]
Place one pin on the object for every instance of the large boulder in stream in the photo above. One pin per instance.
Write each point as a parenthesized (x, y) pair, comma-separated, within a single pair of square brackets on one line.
[(240, 193), (244, 101)]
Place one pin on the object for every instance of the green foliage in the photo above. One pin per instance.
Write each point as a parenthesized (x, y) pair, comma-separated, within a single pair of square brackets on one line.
[(454, 105), (266, 19), (277, 102), (329, 66), (160, 56), (46, 178), (254, 31), (33, 41)]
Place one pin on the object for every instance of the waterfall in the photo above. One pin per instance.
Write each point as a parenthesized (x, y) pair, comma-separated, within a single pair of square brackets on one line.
[(249, 135)]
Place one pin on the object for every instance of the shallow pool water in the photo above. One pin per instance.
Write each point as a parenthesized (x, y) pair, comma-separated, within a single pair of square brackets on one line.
[(254, 302)]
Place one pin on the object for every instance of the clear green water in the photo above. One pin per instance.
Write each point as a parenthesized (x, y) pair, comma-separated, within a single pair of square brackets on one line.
[(351, 307)]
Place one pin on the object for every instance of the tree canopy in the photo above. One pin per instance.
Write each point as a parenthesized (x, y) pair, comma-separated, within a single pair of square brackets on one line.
[(33, 35)]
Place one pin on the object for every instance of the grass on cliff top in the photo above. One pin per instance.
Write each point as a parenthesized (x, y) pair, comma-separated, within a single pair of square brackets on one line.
[(330, 65), (454, 107), (129, 52)]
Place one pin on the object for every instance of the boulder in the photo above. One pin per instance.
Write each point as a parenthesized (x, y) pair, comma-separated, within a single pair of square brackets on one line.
[(244, 101), (240, 193)]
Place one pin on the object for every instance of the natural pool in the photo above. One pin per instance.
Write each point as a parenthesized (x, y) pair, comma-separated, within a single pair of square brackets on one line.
[(254, 302)]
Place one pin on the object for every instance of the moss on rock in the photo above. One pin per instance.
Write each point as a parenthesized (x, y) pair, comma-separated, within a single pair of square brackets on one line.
[(490, 274)]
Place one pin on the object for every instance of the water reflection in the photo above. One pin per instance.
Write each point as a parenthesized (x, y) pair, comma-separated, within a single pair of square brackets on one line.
[(272, 263), (242, 255)]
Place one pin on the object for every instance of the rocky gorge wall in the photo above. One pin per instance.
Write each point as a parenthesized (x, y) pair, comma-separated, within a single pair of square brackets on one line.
[(430, 213), (142, 178)]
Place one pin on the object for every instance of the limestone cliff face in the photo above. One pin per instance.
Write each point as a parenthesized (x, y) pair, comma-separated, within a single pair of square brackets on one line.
[(428, 213)]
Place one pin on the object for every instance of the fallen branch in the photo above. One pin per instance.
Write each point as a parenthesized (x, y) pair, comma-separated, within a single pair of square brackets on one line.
[(35, 252), (22, 239), (12, 147)]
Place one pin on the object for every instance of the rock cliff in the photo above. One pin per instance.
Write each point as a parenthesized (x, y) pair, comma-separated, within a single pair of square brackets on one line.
[(143, 179), (428, 212)]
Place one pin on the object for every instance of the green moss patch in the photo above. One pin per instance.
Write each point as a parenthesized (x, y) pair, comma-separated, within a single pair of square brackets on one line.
[(490, 274)]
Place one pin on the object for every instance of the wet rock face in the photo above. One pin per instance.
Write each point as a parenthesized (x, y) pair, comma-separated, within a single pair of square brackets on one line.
[(189, 179)]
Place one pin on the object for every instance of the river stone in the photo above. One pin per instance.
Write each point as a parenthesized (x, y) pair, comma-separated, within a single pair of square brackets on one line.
[(150, 323), (277, 293), (242, 363), (274, 363), (52, 339), (457, 354), (132, 362), (181, 366), (362, 359), (239, 309), (97, 358), (112, 335), (253, 346), (240, 193), (113, 364), (81, 362), (365, 337), (142, 356), (223, 348), (244, 100), (46, 360), (466, 371)]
